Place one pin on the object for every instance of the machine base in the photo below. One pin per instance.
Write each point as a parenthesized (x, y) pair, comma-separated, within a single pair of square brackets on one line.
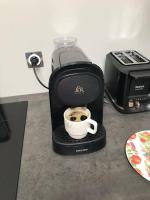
[(65, 145)]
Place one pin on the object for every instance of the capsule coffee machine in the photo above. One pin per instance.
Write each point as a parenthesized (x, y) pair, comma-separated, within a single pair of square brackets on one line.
[(74, 82)]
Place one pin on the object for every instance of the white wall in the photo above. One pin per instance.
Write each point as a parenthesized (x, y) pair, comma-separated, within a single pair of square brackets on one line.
[(100, 26)]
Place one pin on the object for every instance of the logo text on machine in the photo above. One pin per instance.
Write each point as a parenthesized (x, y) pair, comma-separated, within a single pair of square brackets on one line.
[(139, 87), (79, 90)]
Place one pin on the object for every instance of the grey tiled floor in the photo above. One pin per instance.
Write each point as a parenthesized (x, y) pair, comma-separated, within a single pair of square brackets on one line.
[(105, 174)]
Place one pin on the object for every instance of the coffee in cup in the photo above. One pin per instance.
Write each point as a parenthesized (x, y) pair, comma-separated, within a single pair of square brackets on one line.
[(77, 116), (78, 122)]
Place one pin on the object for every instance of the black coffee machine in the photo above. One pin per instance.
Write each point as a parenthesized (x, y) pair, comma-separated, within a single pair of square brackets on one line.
[(75, 82)]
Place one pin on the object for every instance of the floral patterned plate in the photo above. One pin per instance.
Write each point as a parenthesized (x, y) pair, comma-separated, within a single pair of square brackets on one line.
[(138, 153)]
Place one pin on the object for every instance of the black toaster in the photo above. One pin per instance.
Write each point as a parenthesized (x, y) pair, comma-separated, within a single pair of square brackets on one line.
[(127, 81)]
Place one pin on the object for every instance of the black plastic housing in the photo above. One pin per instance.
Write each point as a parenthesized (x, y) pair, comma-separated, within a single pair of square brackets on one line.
[(75, 81), (4, 126), (124, 84)]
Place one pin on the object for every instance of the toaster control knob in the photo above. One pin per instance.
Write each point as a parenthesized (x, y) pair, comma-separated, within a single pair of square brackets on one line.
[(131, 104), (137, 104)]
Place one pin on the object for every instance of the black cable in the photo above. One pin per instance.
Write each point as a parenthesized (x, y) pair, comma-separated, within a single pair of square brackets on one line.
[(106, 99), (39, 79)]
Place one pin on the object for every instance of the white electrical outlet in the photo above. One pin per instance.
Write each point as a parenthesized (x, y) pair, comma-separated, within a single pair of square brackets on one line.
[(34, 59)]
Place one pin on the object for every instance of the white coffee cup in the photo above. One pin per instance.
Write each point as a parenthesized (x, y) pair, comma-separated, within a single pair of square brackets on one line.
[(79, 130)]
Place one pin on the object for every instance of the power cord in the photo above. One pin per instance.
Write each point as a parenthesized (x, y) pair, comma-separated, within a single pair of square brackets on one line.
[(106, 99), (35, 73)]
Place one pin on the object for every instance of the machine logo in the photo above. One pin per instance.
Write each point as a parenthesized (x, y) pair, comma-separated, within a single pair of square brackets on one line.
[(79, 90), (81, 150)]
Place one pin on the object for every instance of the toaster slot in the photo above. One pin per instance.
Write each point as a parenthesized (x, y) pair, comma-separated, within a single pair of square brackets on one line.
[(136, 57), (123, 58), (130, 57)]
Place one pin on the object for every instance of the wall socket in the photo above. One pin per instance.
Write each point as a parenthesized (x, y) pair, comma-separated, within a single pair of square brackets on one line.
[(34, 59)]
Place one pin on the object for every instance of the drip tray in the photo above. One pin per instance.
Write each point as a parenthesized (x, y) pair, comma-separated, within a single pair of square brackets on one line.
[(64, 144)]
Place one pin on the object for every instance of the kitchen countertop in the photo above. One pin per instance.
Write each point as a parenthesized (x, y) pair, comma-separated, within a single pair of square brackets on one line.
[(105, 174)]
